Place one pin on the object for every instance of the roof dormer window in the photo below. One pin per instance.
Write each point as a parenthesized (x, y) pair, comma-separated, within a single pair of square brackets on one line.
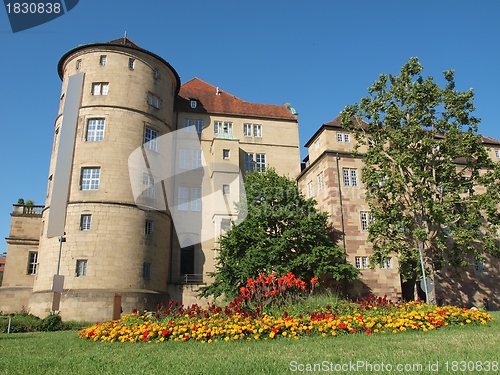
[(193, 103)]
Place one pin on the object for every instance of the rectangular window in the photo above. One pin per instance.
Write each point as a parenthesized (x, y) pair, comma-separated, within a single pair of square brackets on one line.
[(364, 262), (195, 199), (361, 263), (90, 178), (196, 159), (148, 228), (217, 127), (153, 100), (187, 124), (146, 271), (228, 128), (100, 88), (321, 181), (193, 103), (354, 177), (347, 181), (226, 189), (479, 266), (257, 130), (85, 221), (198, 125), (155, 74), (183, 199), (260, 162), (497, 153), (32, 262), (78, 64), (347, 139), (102, 60), (388, 263), (317, 145), (225, 154), (365, 220), (247, 130), (131, 63), (350, 177), (148, 185), (184, 158), (249, 163), (81, 267), (310, 189), (340, 137), (95, 130), (150, 141)]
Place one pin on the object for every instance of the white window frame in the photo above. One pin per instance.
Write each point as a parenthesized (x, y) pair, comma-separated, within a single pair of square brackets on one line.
[(226, 154), (364, 263), (340, 137), (85, 222), (196, 199), (321, 181), (365, 220), (150, 139), (217, 127), (148, 185), (100, 88), (90, 177), (479, 265), (103, 60), (131, 63), (196, 159), (153, 100), (310, 189), (347, 138), (257, 130), (317, 145), (350, 177), (32, 262), (78, 64), (95, 130), (81, 268), (184, 158), (247, 130), (260, 162), (497, 153), (228, 127), (226, 189), (193, 103)]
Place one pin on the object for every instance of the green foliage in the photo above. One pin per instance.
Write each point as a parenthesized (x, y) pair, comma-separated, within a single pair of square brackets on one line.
[(29, 202), (429, 180), (282, 232), (51, 323), (20, 201), (21, 322)]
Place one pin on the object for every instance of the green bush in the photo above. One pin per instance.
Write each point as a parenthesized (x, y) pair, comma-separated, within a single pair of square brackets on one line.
[(51, 323), (21, 322)]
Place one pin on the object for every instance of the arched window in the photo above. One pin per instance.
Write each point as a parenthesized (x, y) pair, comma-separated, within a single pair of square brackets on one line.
[(187, 260)]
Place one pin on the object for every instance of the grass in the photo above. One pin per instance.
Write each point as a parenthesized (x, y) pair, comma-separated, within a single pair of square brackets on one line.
[(65, 353)]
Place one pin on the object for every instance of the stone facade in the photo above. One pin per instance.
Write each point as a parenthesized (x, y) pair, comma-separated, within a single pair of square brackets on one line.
[(332, 175)]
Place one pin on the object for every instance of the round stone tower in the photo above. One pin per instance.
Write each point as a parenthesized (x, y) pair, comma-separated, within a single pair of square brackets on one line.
[(114, 250)]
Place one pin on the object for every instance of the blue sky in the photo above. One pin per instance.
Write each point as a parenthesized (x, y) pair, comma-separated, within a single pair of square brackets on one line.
[(319, 55)]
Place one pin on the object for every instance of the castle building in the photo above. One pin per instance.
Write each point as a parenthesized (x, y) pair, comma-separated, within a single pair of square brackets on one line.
[(332, 176), (125, 248), (118, 246)]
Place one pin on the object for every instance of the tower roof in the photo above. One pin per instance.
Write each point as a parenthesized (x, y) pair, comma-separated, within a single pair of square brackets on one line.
[(213, 100), (123, 43)]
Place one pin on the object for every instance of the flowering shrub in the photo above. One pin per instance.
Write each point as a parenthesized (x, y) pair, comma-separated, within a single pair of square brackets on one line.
[(212, 324), (275, 290)]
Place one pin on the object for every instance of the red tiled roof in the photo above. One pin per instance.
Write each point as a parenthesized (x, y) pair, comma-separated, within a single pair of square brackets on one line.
[(125, 41), (213, 100)]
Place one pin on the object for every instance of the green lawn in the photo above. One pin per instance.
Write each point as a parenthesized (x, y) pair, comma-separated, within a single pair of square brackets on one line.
[(64, 353)]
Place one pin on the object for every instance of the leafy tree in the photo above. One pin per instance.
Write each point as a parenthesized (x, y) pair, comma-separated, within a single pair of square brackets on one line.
[(282, 232), (429, 179)]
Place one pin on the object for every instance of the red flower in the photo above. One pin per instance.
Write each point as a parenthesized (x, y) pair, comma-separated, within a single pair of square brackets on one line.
[(342, 326), (314, 280), (165, 332), (368, 332)]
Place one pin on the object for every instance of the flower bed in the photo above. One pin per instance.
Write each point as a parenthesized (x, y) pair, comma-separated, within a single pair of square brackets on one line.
[(213, 324)]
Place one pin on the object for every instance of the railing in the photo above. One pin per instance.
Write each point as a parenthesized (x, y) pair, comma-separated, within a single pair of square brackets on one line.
[(22, 209), (192, 278), (10, 321)]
